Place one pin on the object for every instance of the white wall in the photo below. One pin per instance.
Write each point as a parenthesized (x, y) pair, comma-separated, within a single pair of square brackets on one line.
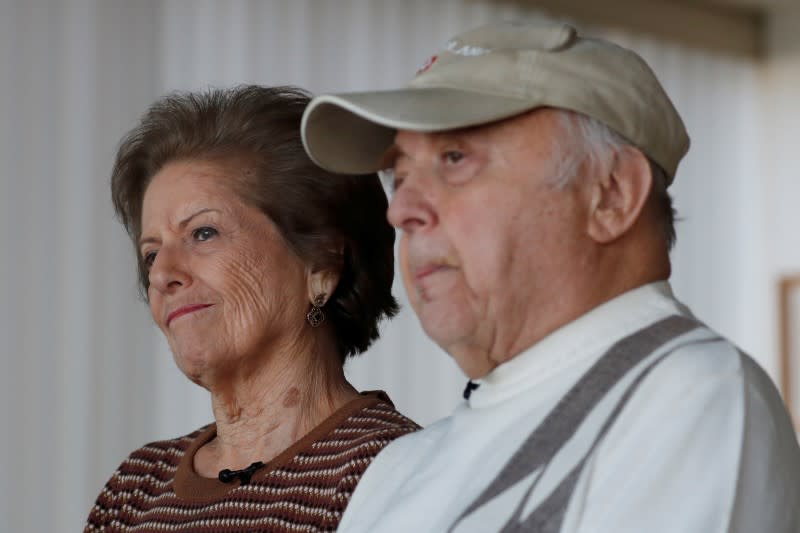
[(73, 77), (780, 171), (87, 378), (781, 127)]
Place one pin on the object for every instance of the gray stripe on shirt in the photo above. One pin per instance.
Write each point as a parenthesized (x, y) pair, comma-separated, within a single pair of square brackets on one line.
[(567, 416)]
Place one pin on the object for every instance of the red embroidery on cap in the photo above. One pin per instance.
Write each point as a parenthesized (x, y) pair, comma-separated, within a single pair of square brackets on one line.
[(428, 64)]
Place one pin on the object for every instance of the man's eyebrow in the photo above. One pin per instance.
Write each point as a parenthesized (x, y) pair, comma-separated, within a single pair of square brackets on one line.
[(182, 224), (462, 135)]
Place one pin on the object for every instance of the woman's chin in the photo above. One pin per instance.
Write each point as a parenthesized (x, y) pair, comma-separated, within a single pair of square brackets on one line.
[(207, 370), (196, 367)]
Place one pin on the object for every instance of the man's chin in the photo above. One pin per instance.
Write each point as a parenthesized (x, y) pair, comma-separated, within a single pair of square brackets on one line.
[(454, 335), (442, 323)]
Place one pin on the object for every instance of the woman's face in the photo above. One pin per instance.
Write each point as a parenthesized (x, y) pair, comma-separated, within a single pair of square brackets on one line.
[(224, 287)]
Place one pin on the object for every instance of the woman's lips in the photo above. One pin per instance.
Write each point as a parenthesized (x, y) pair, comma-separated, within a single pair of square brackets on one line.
[(185, 310)]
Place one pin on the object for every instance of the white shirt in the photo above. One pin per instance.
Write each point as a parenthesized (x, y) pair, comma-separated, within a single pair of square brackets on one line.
[(702, 444)]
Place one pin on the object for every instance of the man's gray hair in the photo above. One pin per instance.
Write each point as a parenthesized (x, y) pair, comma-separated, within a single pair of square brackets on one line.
[(592, 141)]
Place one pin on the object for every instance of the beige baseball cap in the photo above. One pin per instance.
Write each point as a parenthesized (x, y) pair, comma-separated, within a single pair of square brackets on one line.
[(492, 73)]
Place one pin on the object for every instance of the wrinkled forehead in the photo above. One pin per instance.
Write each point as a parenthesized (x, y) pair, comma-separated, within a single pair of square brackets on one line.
[(181, 189)]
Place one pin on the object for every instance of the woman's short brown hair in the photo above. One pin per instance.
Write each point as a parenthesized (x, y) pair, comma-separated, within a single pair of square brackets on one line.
[(330, 221)]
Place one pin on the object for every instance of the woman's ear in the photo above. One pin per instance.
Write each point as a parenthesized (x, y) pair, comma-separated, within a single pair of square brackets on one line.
[(618, 197), (321, 282)]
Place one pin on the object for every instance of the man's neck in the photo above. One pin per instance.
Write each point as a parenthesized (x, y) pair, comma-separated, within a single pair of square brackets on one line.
[(566, 305)]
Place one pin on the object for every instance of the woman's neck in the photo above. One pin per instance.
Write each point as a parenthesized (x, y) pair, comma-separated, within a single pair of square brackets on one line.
[(260, 414)]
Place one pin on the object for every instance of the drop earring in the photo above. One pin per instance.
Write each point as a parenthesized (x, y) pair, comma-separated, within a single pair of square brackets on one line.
[(316, 317)]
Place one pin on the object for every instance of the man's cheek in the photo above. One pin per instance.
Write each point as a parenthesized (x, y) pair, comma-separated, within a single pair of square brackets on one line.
[(405, 271)]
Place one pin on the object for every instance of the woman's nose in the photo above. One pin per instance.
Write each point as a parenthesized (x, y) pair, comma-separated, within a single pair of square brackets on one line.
[(169, 271)]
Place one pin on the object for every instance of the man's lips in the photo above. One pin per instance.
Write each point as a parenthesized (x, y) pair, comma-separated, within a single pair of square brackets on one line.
[(426, 270), (185, 310)]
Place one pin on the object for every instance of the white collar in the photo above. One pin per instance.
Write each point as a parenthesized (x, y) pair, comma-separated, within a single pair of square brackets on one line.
[(578, 344)]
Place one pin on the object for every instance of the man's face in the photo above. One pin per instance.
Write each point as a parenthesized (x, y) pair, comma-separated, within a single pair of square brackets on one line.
[(489, 245)]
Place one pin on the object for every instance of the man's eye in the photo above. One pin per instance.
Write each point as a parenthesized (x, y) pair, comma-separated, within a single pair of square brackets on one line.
[(452, 156), (150, 258), (203, 234)]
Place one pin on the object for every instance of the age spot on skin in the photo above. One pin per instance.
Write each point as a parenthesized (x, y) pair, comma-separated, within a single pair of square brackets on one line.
[(292, 397)]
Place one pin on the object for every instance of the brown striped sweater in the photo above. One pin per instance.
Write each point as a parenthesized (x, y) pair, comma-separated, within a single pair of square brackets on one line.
[(305, 488)]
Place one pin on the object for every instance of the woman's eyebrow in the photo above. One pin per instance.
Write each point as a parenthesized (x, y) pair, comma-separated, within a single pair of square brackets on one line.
[(182, 224)]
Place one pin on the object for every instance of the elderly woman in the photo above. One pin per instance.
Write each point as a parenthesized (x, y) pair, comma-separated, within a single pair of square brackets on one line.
[(264, 274)]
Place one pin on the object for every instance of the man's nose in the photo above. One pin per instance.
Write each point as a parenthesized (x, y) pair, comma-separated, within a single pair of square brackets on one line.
[(410, 208)]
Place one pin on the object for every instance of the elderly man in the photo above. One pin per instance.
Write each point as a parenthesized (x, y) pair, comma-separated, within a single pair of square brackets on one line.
[(530, 170)]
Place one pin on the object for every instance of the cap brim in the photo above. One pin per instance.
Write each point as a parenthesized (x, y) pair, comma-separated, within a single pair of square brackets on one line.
[(350, 133)]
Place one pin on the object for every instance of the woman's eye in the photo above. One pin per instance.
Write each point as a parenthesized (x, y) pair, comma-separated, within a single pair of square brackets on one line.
[(203, 234), (452, 156), (150, 258)]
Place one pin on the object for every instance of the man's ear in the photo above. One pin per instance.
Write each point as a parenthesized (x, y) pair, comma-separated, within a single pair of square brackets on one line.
[(321, 282), (618, 197)]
